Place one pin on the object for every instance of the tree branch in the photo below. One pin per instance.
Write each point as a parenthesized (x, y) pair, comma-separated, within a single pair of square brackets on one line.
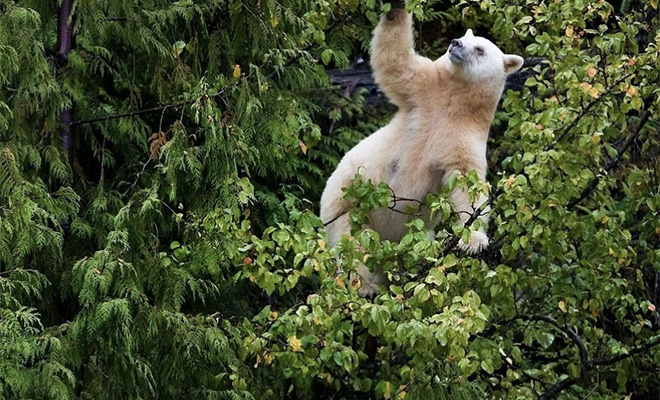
[(455, 239), (557, 388), (392, 207), (586, 364), (584, 360), (612, 163), (183, 103), (584, 112), (631, 352), (172, 106)]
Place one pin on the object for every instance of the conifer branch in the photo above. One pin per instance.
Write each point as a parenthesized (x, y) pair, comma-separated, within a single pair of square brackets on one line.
[(183, 103), (271, 75), (133, 113)]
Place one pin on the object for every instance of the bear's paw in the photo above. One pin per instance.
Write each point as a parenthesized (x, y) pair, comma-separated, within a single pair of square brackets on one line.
[(478, 243)]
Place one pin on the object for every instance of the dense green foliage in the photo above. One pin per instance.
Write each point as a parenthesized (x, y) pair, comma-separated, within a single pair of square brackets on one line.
[(180, 255)]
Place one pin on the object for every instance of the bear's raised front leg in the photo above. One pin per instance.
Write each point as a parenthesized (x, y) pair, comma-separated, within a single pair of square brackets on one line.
[(397, 69)]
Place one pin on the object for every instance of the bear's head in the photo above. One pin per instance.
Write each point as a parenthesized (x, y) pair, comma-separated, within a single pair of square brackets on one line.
[(477, 59)]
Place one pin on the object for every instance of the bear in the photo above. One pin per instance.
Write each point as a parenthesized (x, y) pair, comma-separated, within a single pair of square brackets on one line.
[(445, 108)]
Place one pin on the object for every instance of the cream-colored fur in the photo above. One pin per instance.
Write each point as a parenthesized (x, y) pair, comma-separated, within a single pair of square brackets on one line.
[(445, 109)]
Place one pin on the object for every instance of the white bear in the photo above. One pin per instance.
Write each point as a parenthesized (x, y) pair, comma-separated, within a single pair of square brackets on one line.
[(445, 109)]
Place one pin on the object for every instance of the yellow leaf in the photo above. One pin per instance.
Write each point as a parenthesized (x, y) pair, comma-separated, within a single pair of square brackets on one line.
[(237, 71), (585, 304), (569, 31), (604, 219), (340, 282), (388, 390), (562, 306), (592, 72), (592, 91), (356, 283), (595, 139), (268, 358), (274, 21), (365, 258), (321, 244), (402, 393), (511, 180), (632, 91), (273, 315), (303, 146), (295, 343)]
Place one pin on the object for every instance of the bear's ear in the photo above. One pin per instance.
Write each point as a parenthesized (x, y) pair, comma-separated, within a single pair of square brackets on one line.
[(512, 63), (469, 33)]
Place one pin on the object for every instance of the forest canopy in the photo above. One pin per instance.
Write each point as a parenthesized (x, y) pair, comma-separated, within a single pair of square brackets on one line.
[(161, 164)]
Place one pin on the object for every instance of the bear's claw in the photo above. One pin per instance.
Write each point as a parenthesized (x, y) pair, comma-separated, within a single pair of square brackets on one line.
[(478, 243)]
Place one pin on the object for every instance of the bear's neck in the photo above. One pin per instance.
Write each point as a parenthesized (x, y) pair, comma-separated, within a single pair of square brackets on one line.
[(464, 108)]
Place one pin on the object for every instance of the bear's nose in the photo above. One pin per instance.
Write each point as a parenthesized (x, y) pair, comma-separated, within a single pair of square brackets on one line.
[(456, 43)]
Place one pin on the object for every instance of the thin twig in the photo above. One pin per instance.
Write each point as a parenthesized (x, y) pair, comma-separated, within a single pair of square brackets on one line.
[(584, 112), (584, 360), (586, 364), (631, 352), (586, 192), (412, 380), (395, 199)]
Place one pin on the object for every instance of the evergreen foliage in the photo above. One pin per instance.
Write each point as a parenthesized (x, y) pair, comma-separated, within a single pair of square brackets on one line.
[(176, 253)]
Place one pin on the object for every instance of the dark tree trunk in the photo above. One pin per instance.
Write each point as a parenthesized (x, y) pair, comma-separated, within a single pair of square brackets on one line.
[(359, 76), (64, 43)]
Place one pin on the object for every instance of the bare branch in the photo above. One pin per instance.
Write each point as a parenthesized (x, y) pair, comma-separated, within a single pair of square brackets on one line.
[(392, 207), (584, 360), (631, 352), (557, 388), (584, 112), (612, 163), (587, 365)]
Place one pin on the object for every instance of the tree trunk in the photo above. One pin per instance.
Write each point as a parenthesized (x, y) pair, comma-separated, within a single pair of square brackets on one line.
[(64, 43)]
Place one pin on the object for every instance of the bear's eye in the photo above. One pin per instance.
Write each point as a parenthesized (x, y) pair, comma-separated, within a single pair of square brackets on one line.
[(479, 50)]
